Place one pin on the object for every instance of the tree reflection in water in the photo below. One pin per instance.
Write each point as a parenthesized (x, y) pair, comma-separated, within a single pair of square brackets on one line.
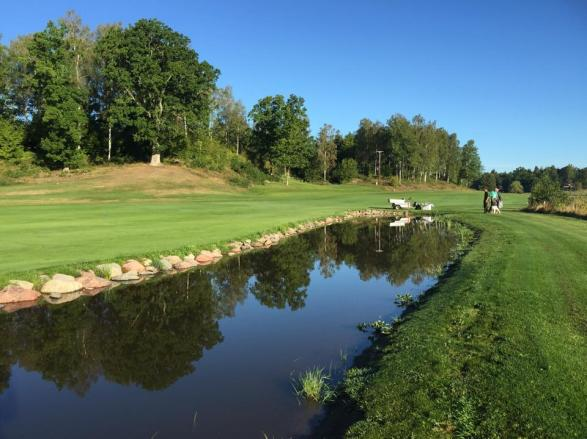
[(152, 334)]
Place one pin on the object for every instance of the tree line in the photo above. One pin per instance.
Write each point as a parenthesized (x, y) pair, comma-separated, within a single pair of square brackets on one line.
[(522, 179), (70, 96)]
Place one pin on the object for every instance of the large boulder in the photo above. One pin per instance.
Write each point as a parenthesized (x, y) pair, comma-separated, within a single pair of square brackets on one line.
[(14, 293), (61, 286), (132, 265), (110, 270), (90, 281)]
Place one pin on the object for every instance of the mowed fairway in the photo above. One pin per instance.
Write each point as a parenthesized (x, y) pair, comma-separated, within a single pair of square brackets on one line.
[(71, 221), (498, 350)]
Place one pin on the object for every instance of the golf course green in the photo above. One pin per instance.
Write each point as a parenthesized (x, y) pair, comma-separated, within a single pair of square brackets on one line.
[(498, 350)]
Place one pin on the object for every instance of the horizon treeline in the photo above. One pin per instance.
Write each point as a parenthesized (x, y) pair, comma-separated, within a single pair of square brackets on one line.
[(71, 96), (522, 179)]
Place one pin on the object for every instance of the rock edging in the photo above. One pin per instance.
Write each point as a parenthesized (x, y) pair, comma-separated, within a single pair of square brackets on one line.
[(62, 288)]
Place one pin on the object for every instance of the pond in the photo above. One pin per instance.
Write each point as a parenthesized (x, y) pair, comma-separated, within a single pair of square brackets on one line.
[(213, 352)]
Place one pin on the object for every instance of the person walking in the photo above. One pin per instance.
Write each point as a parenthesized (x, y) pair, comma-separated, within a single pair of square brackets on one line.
[(486, 203)]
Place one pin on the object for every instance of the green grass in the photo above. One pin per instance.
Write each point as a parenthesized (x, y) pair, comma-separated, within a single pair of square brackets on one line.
[(498, 350), (314, 385), (80, 225)]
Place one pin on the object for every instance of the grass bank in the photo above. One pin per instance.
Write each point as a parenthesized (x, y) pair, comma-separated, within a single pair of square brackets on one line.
[(499, 349)]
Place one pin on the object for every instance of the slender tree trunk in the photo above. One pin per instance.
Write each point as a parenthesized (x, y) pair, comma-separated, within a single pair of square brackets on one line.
[(237, 142), (185, 127), (324, 175), (109, 141), (287, 176)]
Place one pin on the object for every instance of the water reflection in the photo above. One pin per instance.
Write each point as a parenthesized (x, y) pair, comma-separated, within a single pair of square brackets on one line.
[(152, 334)]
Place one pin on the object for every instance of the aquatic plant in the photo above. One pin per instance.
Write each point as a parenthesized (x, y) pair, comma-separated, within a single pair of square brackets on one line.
[(313, 385), (380, 326), (404, 300)]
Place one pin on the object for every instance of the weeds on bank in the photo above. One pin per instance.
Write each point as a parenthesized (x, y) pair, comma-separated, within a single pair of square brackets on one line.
[(314, 385), (404, 300), (379, 326)]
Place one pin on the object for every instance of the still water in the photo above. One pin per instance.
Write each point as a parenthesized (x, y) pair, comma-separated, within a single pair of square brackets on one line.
[(211, 353)]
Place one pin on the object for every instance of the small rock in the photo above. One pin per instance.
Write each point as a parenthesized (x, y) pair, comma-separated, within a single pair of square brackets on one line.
[(110, 270), (14, 293), (44, 278), (63, 277), (189, 258), (132, 265), (204, 257), (216, 253), (146, 262), (165, 265), (21, 283), (184, 265), (128, 276), (61, 286), (172, 259), (90, 281)]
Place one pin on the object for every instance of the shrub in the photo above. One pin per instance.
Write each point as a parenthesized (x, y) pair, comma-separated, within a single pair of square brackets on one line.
[(11, 149), (240, 181), (516, 187), (547, 193), (394, 181), (347, 170), (247, 171), (207, 154)]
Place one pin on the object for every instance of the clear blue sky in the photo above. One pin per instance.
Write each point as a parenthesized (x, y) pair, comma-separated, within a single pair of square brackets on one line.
[(510, 74)]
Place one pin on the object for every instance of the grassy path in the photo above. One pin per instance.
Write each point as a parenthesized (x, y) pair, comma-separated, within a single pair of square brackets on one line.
[(499, 350)]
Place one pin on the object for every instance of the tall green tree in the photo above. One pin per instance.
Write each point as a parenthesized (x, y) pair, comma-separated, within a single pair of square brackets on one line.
[(229, 119), (59, 119), (281, 134), (470, 164), (326, 149), (158, 77)]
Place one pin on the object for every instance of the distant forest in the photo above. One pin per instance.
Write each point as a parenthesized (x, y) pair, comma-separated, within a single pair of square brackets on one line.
[(520, 180), (71, 96)]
